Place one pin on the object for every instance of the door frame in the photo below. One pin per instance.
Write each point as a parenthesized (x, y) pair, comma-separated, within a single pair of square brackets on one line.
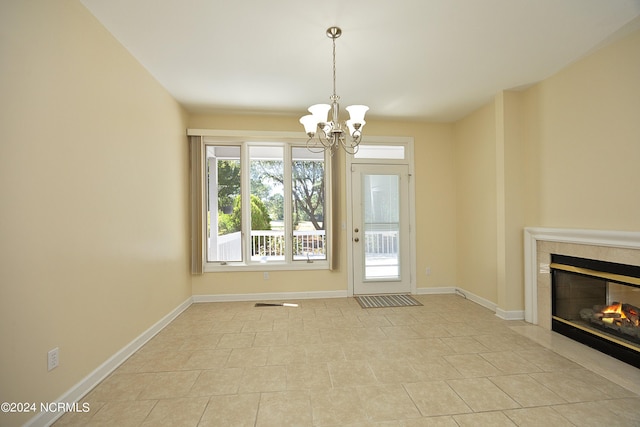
[(408, 160)]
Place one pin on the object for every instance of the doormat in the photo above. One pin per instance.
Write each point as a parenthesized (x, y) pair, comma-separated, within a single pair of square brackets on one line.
[(380, 301)]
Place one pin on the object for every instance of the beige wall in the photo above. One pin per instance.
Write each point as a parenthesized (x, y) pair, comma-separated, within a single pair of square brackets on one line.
[(435, 210), (563, 153), (583, 142), (511, 201), (94, 193), (476, 198)]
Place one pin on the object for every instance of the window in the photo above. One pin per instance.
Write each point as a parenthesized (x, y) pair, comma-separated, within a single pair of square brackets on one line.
[(380, 151), (264, 205)]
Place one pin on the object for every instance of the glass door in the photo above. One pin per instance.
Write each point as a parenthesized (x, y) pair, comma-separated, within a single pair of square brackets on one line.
[(380, 234)]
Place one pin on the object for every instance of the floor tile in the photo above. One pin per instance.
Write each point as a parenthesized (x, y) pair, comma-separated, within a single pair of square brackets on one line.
[(434, 368), (472, 365), (285, 409), (200, 342), (329, 362), (337, 406), (120, 387), (570, 387), (387, 403), (493, 419), (207, 359), (349, 374), (436, 398), (184, 412), (536, 417), (236, 340), (393, 372), (526, 391), (263, 379), (509, 362), (447, 421), (590, 414), (481, 395), (318, 353), (217, 382), (460, 345), (231, 410), (169, 385), (284, 355), (245, 357), (308, 376), (124, 414)]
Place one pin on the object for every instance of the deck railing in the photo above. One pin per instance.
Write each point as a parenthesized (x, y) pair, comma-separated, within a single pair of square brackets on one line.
[(307, 244)]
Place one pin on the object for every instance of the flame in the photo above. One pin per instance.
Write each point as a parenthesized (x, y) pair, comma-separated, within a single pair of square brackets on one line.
[(615, 308)]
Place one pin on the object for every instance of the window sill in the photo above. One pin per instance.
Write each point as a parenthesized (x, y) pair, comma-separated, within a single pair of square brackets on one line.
[(272, 266)]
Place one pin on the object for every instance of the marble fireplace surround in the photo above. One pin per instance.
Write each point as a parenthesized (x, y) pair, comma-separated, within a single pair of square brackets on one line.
[(539, 243)]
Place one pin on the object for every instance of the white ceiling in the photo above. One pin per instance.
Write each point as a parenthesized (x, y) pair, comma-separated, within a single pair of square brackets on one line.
[(434, 60)]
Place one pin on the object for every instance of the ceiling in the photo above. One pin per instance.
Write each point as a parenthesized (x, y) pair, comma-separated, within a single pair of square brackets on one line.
[(431, 60)]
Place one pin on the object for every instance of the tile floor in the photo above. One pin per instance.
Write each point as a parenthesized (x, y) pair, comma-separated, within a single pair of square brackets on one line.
[(329, 362)]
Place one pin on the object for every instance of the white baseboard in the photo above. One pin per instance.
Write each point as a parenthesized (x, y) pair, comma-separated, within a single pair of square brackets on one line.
[(503, 314), (510, 315), (436, 291), (269, 296), (477, 299), (78, 391)]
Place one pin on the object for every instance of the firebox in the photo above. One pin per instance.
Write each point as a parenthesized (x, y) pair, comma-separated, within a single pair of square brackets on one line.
[(598, 304)]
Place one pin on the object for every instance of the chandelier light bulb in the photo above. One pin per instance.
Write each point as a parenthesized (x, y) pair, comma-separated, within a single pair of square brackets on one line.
[(357, 112), (355, 128), (320, 112), (310, 124)]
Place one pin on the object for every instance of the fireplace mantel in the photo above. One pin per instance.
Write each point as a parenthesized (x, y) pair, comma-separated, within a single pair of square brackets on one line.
[(533, 235)]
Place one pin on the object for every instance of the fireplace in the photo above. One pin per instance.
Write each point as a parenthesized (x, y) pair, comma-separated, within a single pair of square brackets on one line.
[(597, 303)]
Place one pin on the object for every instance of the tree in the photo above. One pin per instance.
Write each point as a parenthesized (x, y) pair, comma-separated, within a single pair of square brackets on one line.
[(307, 187), (308, 191), (228, 182), (230, 223)]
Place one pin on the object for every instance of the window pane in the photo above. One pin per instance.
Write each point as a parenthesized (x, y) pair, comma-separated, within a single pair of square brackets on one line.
[(308, 190), (389, 152), (224, 218), (267, 203)]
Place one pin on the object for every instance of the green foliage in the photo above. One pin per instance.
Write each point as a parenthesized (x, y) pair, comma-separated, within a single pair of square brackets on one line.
[(260, 219), (230, 223), (225, 224), (228, 181)]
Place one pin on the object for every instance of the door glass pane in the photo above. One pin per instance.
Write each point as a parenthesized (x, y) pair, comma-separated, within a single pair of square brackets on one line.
[(381, 212), (307, 204), (266, 170), (224, 218)]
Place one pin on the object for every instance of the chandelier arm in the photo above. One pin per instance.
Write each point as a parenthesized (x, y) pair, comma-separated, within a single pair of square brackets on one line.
[(326, 141), (312, 145), (349, 148)]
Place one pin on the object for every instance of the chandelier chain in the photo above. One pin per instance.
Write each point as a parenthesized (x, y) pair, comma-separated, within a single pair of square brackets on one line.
[(333, 39)]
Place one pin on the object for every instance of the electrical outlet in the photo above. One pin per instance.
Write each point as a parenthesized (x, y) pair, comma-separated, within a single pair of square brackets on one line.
[(52, 359), (265, 275), (428, 271)]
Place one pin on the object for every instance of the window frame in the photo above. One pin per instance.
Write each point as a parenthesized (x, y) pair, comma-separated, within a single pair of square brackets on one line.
[(246, 139)]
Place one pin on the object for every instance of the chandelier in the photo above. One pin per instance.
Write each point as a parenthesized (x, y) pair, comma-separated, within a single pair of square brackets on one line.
[(325, 134)]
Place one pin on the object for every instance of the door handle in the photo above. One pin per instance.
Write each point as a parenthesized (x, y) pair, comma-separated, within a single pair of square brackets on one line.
[(356, 240), (356, 230)]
